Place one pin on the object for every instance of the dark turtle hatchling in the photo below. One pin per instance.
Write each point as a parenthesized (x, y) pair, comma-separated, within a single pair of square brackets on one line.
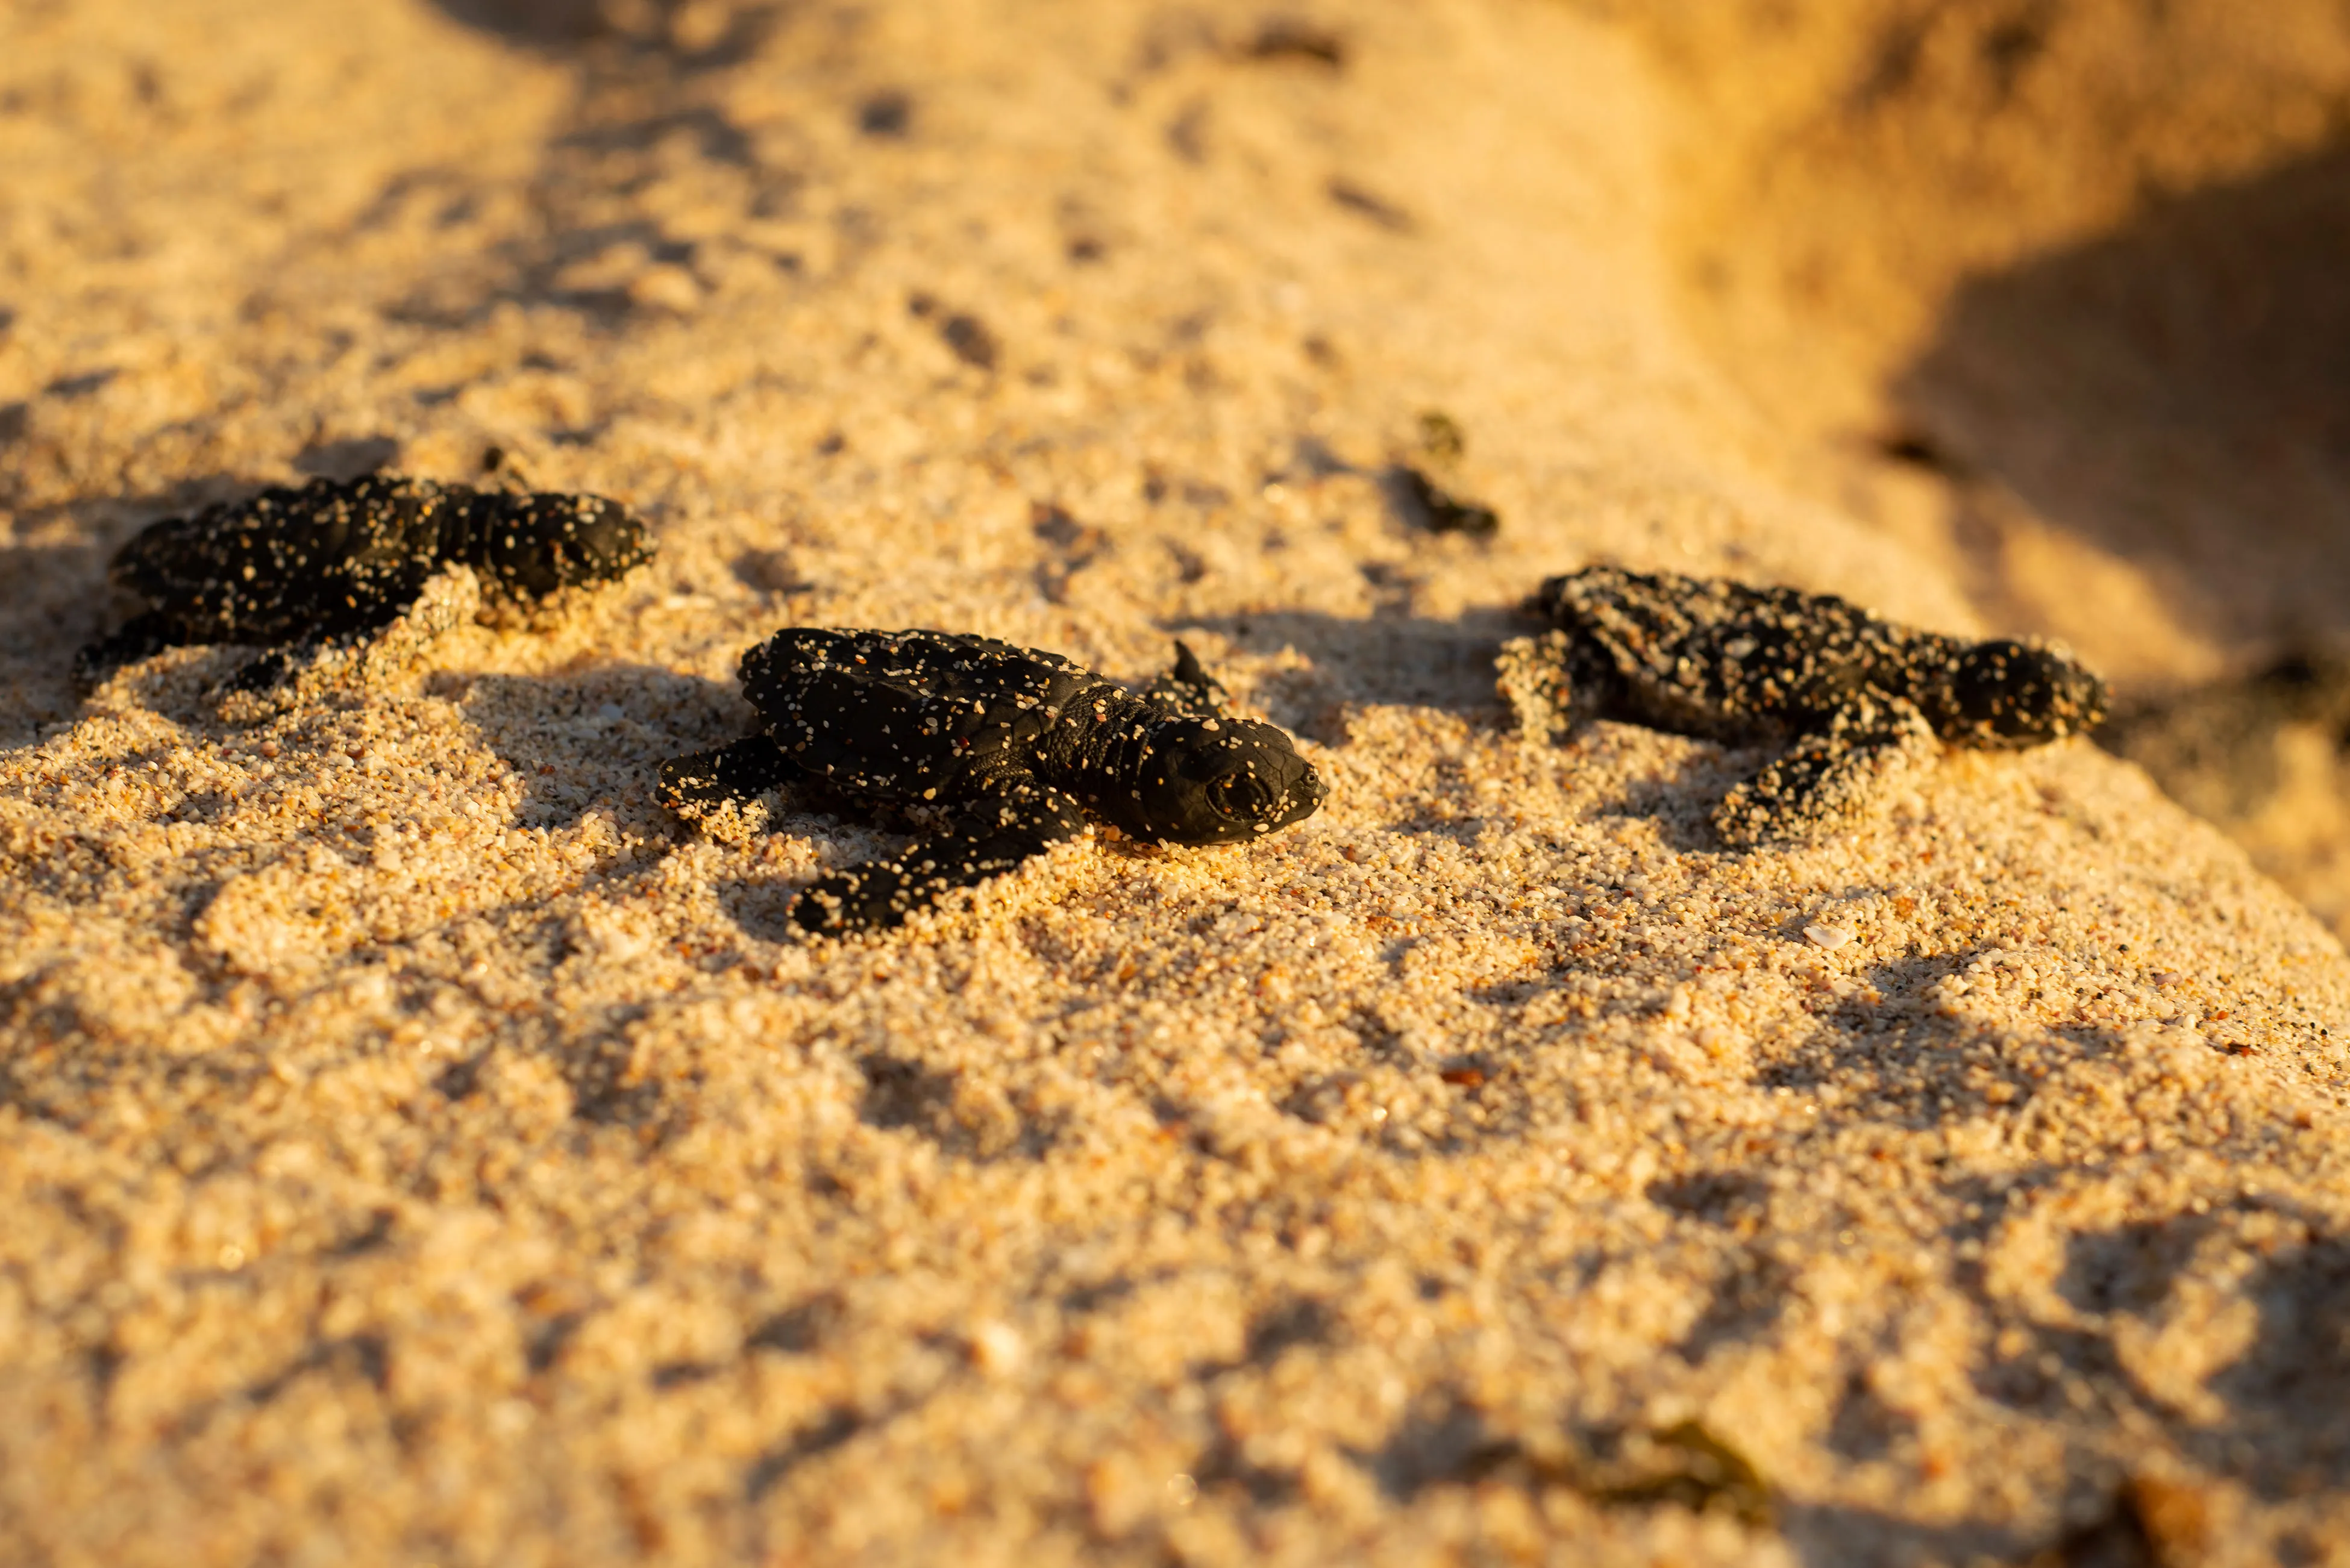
[(1002, 750), (1854, 699), (339, 559)]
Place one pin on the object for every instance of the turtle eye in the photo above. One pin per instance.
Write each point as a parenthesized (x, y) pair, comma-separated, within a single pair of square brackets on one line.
[(1240, 795)]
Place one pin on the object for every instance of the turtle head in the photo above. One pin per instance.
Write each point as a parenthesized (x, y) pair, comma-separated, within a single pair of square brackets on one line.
[(2009, 693), (1220, 781), (534, 545)]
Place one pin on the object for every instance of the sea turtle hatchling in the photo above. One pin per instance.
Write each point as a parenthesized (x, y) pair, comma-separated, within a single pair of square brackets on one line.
[(1857, 700), (318, 571), (1001, 751)]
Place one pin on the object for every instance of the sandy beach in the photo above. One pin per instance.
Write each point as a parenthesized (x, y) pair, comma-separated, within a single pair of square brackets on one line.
[(418, 1148)]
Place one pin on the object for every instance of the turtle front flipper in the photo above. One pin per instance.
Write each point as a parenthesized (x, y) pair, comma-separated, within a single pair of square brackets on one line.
[(1831, 778), (374, 643), (1530, 674), (997, 834), (691, 785), (1188, 691)]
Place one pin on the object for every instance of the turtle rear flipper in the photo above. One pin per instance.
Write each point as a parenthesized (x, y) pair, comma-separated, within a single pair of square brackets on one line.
[(1830, 779), (998, 834), (1530, 674), (375, 644)]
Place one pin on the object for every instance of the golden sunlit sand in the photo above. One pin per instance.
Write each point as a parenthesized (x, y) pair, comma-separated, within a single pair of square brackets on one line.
[(418, 1148)]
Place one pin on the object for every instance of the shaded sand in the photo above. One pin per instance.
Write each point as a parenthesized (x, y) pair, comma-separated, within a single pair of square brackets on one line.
[(417, 1150), (2060, 283), (2053, 294)]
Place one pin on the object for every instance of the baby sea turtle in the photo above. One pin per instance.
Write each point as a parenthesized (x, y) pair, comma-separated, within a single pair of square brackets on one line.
[(336, 560), (1856, 699), (1002, 751)]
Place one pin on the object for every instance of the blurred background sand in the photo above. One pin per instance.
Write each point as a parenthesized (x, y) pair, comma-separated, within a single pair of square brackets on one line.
[(417, 1148)]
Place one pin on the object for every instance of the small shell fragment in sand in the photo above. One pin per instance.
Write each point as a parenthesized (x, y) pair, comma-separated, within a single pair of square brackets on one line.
[(996, 1348), (1829, 937)]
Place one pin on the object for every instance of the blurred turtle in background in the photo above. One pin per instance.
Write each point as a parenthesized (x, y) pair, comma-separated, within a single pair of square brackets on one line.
[(320, 569)]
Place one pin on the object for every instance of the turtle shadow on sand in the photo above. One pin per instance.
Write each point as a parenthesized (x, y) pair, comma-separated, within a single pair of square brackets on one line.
[(594, 738), (1450, 666), (1379, 660), (57, 601)]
